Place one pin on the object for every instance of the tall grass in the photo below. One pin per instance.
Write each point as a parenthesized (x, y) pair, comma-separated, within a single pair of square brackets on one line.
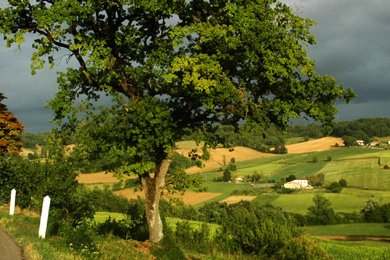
[(342, 250)]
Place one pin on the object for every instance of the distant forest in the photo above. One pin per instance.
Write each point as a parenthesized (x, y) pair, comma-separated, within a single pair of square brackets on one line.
[(365, 129)]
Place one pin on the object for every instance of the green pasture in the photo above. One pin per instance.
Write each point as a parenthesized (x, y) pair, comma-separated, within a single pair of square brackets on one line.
[(301, 170), (101, 217), (348, 201), (194, 224), (362, 250), (264, 169), (357, 229)]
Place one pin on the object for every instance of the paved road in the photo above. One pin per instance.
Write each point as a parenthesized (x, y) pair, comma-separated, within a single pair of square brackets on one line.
[(9, 250)]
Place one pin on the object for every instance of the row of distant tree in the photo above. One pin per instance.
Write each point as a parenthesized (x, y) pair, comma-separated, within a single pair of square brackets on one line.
[(272, 139)]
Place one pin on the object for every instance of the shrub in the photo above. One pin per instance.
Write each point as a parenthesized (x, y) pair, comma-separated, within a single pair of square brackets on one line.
[(291, 178), (233, 167), (168, 248), (302, 247), (284, 190), (80, 239), (372, 211), (343, 183), (315, 160), (322, 212), (335, 187), (253, 229), (193, 238), (227, 175)]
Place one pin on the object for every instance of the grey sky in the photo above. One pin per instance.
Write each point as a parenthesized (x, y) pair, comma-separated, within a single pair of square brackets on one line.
[(353, 46)]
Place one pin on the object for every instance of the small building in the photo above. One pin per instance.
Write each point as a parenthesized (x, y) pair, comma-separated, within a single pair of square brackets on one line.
[(373, 144), (301, 183), (240, 179), (360, 142), (292, 185)]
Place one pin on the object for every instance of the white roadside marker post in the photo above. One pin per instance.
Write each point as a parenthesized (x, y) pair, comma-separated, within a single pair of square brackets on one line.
[(44, 217), (12, 203)]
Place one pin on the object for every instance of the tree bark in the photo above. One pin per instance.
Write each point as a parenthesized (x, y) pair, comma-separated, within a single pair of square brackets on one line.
[(153, 188)]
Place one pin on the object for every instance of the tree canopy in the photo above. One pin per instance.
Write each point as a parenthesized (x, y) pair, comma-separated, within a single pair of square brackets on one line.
[(10, 131), (172, 65)]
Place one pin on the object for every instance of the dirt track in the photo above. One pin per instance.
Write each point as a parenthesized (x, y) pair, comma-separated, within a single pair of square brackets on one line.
[(355, 238), (9, 250)]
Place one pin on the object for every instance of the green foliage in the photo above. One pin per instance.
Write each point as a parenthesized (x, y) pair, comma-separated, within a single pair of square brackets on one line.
[(349, 140), (302, 247), (335, 187), (343, 183), (291, 178), (322, 212), (215, 65), (31, 140), (80, 239), (106, 200), (133, 226), (227, 175), (364, 128), (256, 230), (315, 159), (193, 238), (280, 149), (168, 248), (373, 212), (181, 162)]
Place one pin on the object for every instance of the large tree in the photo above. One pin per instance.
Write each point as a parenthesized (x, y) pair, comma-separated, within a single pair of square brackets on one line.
[(173, 65), (10, 131)]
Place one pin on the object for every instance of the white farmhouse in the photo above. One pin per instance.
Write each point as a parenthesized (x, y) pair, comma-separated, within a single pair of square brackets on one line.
[(360, 142), (301, 183)]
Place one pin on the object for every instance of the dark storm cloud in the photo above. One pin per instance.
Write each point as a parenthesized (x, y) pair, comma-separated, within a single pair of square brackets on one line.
[(353, 46), (26, 94)]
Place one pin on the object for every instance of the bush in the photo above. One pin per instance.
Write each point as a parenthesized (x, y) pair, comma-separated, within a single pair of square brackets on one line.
[(227, 175), (343, 183), (302, 247), (291, 178), (193, 238), (80, 239), (168, 248), (284, 190), (253, 229), (315, 160), (322, 212), (335, 187)]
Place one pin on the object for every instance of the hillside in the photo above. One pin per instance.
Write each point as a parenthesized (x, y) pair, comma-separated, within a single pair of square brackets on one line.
[(220, 155), (317, 145)]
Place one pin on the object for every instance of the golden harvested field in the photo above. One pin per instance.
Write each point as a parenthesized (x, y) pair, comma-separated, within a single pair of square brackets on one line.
[(235, 199), (317, 145), (97, 178), (189, 197), (217, 157)]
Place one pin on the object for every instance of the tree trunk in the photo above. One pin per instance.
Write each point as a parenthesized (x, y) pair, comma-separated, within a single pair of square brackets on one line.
[(153, 188)]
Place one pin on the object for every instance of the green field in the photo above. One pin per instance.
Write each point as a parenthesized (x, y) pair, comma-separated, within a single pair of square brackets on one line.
[(357, 229), (364, 250), (348, 201)]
